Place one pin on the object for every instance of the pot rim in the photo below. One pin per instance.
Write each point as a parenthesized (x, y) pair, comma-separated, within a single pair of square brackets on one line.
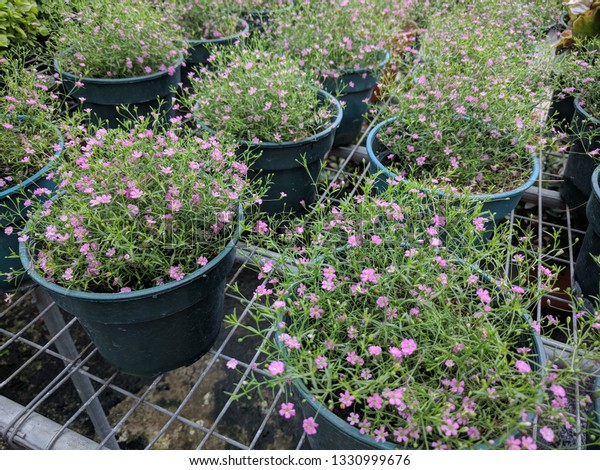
[(477, 197), (27, 263), (292, 143), (198, 42), (582, 110), (115, 81), (39, 174)]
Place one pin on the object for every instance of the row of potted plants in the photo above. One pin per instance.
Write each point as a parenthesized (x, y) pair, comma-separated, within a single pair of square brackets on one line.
[(149, 210)]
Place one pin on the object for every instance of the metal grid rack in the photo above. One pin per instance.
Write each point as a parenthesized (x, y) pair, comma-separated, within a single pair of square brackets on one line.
[(56, 392)]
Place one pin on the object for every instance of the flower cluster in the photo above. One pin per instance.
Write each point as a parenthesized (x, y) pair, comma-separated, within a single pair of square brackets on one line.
[(117, 39), (468, 118), (28, 138), (256, 95), (316, 34), (389, 323), (204, 19), (137, 208)]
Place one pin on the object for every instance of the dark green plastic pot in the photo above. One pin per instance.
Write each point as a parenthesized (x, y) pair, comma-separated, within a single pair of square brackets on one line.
[(593, 432), (576, 187), (292, 167), (12, 202), (153, 330), (353, 88), (334, 433), (259, 20), (561, 111), (498, 204), (199, 51), (114, 100), (586, 275)]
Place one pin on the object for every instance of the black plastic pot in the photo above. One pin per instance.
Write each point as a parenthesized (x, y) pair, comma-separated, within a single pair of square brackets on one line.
[(199, 51), (586, 276), (114, 100), (353, 89), (576, 186), (153, 330)]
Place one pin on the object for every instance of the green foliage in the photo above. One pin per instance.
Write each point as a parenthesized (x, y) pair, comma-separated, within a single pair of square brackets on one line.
[(19, 23)]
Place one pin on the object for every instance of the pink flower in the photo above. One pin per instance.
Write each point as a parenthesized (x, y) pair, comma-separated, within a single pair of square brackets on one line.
[(547, 434), (374, 350), (232, 364), (202, 261), (375, 401), (287, 410), (310, 426), (321, 362), (382, 301), (103, 199), (376, 240), (276, 367), (522, 367), (175, 272), (408, 346), (346, 398)]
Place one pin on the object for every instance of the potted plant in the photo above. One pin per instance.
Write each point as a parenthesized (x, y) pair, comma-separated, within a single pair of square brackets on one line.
[(119, 54), (390, 338), (576, 186), (30, 143), (268, 105), (450, 152), (139, 240), (205, 24), (346, 61)]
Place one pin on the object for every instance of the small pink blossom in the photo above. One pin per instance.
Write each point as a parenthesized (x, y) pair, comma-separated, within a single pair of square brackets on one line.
[(232, 363), (522, 367), (547, 434), (310, 426), (408, 346), (287, 410), (276, 367)]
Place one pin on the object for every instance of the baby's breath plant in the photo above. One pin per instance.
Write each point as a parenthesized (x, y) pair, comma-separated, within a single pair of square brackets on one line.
[(122, 39), (204, 19), (316, 34), (29, 111), (137, 208), (377, 310), (454, 136), (470, 117), (256, 95)]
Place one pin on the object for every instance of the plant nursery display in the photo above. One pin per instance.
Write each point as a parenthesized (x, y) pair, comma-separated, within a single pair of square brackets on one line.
[(138, 241), (30, 143), (112, 54), (392, 337), (268, 105), (372, 196)]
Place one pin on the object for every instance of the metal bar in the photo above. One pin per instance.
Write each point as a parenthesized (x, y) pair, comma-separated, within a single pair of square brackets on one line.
[(64, 343), (37, 431)]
